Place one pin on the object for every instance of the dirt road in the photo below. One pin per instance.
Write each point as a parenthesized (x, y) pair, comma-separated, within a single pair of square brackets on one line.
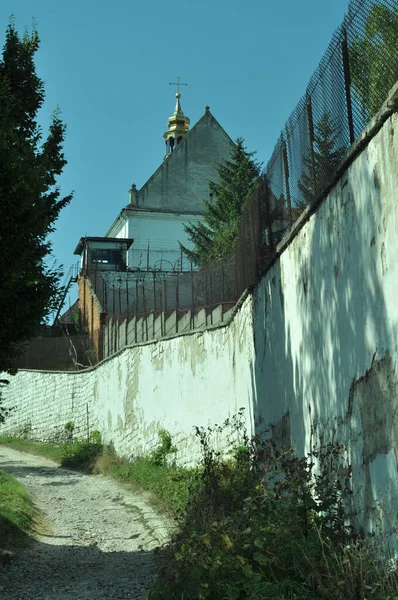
[(99, 541)]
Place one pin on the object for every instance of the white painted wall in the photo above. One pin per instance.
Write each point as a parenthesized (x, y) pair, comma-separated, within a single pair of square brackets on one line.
[(159, 231), (326, 329), (197, 379)]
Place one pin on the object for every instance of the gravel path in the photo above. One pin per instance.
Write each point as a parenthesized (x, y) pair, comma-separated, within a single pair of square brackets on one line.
[(101, 538)]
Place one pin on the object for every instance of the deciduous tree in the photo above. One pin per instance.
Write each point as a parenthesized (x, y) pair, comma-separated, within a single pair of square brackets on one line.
[(374, 59)]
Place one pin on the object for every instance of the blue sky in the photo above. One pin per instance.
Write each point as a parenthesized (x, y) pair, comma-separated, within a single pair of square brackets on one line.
[(108, 65)]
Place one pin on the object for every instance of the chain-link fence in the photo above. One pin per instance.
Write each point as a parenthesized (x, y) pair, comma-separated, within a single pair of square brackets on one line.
[(349, 86)]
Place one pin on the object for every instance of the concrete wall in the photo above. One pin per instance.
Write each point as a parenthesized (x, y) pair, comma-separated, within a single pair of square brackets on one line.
[(173, 384), (326, 330), (314, 350)]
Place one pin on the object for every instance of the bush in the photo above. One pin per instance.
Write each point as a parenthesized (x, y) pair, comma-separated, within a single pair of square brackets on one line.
[(82, 454), (265, 524)]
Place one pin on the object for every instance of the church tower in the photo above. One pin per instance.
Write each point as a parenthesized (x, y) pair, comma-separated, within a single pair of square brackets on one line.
[(174, 194), (177, 129)]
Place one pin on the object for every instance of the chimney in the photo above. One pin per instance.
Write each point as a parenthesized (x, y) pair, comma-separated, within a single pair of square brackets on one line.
[(133, 194)]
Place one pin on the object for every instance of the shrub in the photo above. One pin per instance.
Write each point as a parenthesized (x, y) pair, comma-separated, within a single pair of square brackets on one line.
[(82, 454), (266, 524), (165, 448)]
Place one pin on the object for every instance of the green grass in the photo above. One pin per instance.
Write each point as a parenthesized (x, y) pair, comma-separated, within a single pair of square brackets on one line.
[(47, 449), (170, 485), (17, 514)]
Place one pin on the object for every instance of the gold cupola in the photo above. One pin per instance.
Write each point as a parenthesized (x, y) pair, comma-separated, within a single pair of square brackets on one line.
[(177, 129)]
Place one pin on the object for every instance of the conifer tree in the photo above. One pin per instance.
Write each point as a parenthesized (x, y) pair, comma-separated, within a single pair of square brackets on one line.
[(216, 236), (327, 155), (30, 201)]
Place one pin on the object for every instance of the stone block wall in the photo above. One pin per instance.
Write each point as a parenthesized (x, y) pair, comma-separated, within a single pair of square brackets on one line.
[(196, 379)]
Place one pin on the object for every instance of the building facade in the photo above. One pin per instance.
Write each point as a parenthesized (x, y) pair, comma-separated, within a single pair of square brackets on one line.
[(174, 195)]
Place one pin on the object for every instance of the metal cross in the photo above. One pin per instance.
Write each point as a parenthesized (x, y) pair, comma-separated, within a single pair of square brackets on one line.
[(178, 84)]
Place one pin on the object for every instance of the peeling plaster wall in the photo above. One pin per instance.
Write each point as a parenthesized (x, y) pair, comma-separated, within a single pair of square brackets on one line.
[(326, 331), (196, 379)]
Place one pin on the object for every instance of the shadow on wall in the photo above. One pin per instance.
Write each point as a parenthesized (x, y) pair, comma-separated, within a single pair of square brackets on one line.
[(272, 373), (326, 330)]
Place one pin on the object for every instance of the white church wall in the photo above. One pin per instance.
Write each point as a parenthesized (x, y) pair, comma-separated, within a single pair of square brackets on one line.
[(160, 232), (122, 229)]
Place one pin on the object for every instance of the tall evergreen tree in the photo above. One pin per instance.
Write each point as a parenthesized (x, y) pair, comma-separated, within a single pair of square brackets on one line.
[(327, 155), (30, 201), (216, 236), (374, 59)]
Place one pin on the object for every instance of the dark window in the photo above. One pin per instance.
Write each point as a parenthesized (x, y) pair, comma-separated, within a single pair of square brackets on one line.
[(108, 256)]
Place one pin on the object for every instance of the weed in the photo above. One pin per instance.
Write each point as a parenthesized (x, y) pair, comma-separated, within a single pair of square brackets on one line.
[(67, 434), (165, 448), (169, 486), (82, 454)]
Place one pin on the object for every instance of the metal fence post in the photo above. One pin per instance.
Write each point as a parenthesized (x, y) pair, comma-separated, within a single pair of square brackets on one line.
[(161, 314), (286, 174), (211, 297), (154, 304), (145, 311), (192, 315), (268, 215), (108, 326), (127, 311), (177, 302), (136, 310), (347, 83), (310, 120)]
